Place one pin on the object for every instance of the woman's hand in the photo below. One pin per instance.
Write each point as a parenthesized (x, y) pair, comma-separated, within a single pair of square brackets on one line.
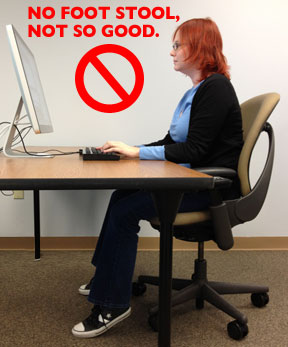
[(120, 148)]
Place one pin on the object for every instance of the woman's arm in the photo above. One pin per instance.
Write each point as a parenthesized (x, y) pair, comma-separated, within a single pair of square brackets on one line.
[(156, 153), (166, 141)]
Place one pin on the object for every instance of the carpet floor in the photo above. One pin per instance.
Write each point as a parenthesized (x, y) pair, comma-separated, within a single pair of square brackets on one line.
[(39, 301)]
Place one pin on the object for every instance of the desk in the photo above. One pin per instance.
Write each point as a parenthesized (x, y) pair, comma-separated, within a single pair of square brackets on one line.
[(165, 180)]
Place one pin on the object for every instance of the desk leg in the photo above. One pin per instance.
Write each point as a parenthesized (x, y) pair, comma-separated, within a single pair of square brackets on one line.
[(167, 204), (37, 224)]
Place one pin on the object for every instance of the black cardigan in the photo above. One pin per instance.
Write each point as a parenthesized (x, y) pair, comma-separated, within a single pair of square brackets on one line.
[(215, 128)]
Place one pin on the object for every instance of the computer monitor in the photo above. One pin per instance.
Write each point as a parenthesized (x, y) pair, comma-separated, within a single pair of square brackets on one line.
[(32, 94)]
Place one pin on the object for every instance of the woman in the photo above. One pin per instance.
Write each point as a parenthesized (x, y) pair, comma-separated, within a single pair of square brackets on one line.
[(206, 130)]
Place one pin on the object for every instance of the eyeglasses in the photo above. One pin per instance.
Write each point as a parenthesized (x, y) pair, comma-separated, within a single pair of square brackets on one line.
[(176, 45)]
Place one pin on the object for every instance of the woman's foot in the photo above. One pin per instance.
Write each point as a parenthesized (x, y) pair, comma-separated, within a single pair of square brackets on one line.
[(99, 321), (85, 288)]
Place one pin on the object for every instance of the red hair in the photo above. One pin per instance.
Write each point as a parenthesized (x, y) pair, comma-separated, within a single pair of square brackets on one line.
[(204, 46)]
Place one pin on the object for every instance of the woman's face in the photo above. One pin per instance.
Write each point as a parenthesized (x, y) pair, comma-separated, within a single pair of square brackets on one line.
[(179, 53)]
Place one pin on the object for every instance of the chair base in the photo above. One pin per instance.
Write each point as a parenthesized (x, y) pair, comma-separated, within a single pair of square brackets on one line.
[(201, 289)]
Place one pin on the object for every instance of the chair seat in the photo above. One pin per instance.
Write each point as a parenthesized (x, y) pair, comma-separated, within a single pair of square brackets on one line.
[(190, 226), (186, 218)]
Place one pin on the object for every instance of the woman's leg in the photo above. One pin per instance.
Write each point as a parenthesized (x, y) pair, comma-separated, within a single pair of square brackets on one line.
[(116, 196), (115, 256)]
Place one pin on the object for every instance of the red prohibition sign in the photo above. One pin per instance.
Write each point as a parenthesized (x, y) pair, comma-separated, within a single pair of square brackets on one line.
[(127, 99)]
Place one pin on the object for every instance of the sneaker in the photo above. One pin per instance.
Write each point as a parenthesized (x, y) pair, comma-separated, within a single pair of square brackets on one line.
[(99, 321), (85, 288)]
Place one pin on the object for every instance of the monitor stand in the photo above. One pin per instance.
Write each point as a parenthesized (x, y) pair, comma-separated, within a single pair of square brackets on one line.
[(7, 148)]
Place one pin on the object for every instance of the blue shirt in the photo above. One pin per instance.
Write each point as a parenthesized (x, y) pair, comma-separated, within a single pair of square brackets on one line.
[(178, 128)]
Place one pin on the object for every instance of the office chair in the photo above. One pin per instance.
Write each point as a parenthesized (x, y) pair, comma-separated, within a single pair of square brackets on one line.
[(216, 223)]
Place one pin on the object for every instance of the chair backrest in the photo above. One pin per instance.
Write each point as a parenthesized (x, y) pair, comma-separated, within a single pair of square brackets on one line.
[(255, 113)]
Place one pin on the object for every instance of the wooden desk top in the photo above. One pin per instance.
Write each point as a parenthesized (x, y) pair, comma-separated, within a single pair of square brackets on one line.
[(71, 172)]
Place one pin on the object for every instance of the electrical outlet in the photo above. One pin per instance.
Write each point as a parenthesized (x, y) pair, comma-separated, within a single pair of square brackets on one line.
[(18, 194)]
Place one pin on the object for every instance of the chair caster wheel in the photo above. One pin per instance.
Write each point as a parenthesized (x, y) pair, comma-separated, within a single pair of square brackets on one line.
[(236, 330), (153, 321), (138, 288), (199, 304), (259, 299)]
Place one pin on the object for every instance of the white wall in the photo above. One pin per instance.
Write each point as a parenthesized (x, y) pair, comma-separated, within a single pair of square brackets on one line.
[(255, 43)]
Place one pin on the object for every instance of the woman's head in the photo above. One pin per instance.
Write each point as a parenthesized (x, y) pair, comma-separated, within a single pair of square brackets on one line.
[(201, 41)]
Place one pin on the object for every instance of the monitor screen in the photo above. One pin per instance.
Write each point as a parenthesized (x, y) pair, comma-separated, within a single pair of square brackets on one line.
[(29, 82)]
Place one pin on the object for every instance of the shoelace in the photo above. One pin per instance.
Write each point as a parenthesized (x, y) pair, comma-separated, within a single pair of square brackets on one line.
[(97, 316), (102, 319)]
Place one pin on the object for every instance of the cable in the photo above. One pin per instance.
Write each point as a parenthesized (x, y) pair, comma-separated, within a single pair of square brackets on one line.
[(2, 192), (40, 155), (23, 136), (2, 133), (60, 152), (19, 135), (23, 117), (47, 151), (23, 144), (4, 130)]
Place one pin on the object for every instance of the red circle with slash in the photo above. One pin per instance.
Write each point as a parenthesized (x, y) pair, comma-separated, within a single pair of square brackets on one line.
[(92, 57)]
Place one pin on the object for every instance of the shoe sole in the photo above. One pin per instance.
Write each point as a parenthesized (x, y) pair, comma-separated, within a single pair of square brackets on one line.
[(84, 291), (94, 333)]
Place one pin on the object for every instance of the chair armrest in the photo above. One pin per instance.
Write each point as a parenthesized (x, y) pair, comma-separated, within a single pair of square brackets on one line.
[(217, 171), (222, 175)]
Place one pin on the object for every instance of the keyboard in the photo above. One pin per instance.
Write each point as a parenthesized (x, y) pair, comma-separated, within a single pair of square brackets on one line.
[(91, 153)]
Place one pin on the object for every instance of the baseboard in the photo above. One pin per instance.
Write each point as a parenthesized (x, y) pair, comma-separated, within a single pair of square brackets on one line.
[(145, 243)]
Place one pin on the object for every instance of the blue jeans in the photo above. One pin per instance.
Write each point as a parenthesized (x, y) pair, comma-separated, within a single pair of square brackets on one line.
[(115, 253)]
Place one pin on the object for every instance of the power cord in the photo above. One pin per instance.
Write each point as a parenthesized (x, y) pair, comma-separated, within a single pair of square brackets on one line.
[(19, 135), (4, 130), (37, 154)]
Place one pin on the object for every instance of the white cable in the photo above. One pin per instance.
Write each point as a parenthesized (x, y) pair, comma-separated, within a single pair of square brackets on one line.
[(6, 128), (21, 118), (23, 136), (4, 131), (5, 194)]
